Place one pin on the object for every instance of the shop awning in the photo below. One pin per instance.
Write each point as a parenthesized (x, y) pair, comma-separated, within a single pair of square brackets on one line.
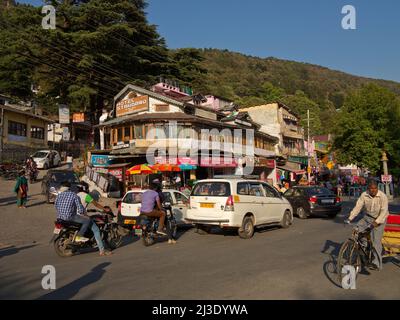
[(292, 167), (292, 170)]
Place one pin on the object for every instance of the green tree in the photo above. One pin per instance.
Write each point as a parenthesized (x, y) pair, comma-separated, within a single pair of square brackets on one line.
[(368, 124), (98, 47)]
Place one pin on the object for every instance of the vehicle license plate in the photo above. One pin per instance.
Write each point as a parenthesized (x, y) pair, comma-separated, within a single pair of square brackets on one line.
[(57, 231), (206, 205), (127, 221), (327, 201), (138, 232)]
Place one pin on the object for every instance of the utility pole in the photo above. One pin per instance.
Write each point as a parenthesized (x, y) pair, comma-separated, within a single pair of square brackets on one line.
[(308, 145), (1, 134)]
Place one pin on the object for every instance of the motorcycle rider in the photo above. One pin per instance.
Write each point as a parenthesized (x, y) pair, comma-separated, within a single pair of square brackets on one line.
[(70, 208), (91, 198), (151, 206), (158, 184), (31, 167)]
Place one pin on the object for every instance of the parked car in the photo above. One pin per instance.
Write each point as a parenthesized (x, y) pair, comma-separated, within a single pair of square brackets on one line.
[(237, 203), (129, 206), (46, 159), (51, 183), (313, 201)]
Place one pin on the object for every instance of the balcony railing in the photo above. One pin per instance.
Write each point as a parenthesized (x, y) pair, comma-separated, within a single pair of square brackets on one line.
[(293, 152)]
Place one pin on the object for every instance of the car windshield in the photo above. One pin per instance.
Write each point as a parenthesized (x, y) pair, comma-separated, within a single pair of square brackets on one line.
[(40, 154), (133, 198), (60, 177), (320, 192), (214, 189)]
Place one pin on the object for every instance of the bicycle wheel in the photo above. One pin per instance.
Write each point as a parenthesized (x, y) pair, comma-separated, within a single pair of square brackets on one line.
[(348, 255)]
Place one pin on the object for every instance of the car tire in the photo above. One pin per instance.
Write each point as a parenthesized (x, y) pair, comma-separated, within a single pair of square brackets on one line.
[(246, 231), (301, 213), (286, 220)]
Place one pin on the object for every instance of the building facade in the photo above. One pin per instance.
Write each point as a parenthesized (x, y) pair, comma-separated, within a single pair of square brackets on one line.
[(276, 119), (22, 132), (176, 131)]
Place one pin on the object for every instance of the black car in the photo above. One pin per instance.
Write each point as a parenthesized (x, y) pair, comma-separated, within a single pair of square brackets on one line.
[(54, 178), (313, 201)]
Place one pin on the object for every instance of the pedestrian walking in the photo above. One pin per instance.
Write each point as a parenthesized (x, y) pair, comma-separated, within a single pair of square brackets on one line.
[(69, 161), (21, 188)]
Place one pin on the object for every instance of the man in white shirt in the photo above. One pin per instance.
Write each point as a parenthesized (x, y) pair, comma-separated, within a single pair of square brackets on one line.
[(376, 206)]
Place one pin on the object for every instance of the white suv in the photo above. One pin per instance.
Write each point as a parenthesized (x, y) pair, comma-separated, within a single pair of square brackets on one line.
[(237, 203)]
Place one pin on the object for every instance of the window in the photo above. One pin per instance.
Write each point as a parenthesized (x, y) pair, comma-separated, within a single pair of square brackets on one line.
[(138, 131), (243, 188), (127, 133), (133, 198), (320, 191), (119, 135), (168, 197), (289, 193), (180, 197), (256, 190), (270, 192), (161, 107), (298, 193), (17, 128), (149, 128), (214, 189), (37, 133)]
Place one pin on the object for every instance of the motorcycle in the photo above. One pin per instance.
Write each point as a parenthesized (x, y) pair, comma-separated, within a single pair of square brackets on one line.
[(65, 233), (32, 175), (148, 227)]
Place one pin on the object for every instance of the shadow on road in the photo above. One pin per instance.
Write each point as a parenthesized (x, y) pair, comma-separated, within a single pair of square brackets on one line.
[(14, 250), (331, 248), (36, 204), (73, 288)]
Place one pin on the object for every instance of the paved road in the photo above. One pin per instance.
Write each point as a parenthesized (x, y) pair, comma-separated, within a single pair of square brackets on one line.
[(275, 264)]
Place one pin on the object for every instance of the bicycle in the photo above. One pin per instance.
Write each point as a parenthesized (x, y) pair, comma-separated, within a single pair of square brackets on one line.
[(356, 252)]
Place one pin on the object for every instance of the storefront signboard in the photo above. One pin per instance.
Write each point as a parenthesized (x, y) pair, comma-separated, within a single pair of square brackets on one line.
[(132, 105)]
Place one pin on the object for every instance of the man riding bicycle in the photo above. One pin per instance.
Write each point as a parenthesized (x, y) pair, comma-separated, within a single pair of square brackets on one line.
[(151, 206), (376, 207)]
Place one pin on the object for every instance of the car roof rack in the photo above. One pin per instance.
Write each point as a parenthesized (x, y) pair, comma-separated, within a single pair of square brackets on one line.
[(249, 177)]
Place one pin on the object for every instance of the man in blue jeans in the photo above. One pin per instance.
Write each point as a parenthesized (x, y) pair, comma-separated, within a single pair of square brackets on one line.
[(70, 208)]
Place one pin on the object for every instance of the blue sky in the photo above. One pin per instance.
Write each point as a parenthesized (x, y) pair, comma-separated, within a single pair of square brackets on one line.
[(301, 30)]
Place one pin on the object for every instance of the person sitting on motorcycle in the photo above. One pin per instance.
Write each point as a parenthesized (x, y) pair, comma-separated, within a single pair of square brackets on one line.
[(88, 198), (151, 206), (158, 184), (70, 208), (31, 166)]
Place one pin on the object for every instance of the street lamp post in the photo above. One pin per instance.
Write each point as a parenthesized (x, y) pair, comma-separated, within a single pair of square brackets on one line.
[(386, 172)]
